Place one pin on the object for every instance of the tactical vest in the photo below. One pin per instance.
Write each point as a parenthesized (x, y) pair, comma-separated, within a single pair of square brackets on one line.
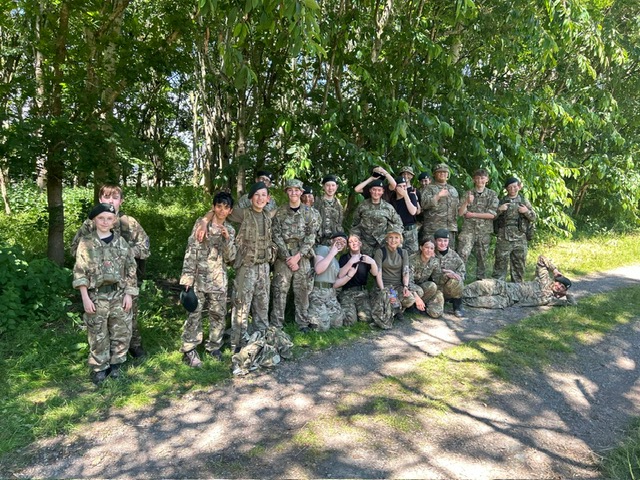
[(253, 247)]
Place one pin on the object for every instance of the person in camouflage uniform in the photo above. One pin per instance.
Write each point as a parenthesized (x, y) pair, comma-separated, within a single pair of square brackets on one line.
[(254, 252), (265, 177), (514, 215), (395, 271), (307, 198), (439, 202), (130, 229), (331, 211), (449, 275), (105, 274), (373, 218), (478, 207), (205, 270), (428, 298), (325, 311), (295, 227), (549, 288), (352, 280)]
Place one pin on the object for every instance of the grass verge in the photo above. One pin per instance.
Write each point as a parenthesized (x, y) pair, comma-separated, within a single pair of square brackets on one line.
[(623, 462)]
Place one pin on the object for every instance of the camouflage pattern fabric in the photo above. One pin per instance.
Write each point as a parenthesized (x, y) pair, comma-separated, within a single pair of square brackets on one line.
[(371, 222), (442, 213), (294, 232), (106, 265), (450, 287), (492, 293), (245, 202), (331, 218), (254, 238), (250, 296), (264, 349), (325, 311), (410, 240), (356, 305), (216, 305), (511, 241), (382, 311), (476, 233), (131, 230), (421, 273)]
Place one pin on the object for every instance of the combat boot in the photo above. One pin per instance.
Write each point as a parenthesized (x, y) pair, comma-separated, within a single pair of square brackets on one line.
[(215, 354), (457, 307), (192, 359), (114, 371), (137, 351), (98, 377)]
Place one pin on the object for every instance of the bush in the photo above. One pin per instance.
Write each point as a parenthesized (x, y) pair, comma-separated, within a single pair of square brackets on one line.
[(31, 292)]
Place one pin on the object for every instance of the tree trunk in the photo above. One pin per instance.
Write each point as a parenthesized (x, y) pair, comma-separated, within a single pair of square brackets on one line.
[(3, 188)]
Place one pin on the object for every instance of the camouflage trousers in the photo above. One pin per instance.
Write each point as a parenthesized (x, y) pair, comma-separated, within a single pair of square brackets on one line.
[(487, 293), (216, 304), (250, 296), (356, 304), (324, 310), (410, 240), (469, 242), (387, 303), (451, 288), (302, 282), (432, 298), (136, 338), (108, 330), (510, 254)]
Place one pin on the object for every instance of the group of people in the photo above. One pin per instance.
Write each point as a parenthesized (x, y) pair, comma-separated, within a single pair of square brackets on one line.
[(399, 253)]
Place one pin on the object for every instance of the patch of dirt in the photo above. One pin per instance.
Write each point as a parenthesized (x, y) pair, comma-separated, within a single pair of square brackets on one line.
[(549, 424)]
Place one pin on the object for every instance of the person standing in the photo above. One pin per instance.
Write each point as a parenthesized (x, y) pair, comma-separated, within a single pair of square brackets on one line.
[(373, 218), (549, 288), (295, 227), (205, 271), (254, 252), (449, 276), (439, 202), (331, 211), (405, 203), (131, 230), (265, 177), (478, 208), (515, 214), (105, 275)]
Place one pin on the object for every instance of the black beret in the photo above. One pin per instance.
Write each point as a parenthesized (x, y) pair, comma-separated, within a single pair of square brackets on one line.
[(424, 175), (255, 187), (329, 178), (339, 234), (264, 173), (510, 180), (377, 183), (189, 300), (441, 233), (101, 208), (563, 280), (400, 180), (307, 191)]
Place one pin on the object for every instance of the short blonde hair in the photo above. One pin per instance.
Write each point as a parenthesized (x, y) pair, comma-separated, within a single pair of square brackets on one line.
[(107, 191)]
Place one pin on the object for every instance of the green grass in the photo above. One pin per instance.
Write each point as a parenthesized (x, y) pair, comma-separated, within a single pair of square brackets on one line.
[(623, 462), (45, 390)]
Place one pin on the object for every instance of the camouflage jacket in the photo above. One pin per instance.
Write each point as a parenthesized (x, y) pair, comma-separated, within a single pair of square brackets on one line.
[(450, 261), (442, 213), (510, 225), (254, 243), (539, 291), (100, 264), (371, 222), (295, 231), (331, 217), (486, 202), (127, 227), (205, 263), (421, 271)]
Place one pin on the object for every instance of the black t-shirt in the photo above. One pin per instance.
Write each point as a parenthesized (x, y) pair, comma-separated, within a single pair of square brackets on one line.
[(401, 207), (362, 273)]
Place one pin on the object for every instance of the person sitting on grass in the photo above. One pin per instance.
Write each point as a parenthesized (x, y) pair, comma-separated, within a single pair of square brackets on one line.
[(205, 271), (105, 274), (549, 288)]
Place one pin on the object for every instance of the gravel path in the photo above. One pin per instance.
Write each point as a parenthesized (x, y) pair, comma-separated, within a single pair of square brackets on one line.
[(549, 424)]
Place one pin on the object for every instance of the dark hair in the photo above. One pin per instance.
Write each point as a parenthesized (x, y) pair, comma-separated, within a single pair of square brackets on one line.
[(223, 198), (481, 172)]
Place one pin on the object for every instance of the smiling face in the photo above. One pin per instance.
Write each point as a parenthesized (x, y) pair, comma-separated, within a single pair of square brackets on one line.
[(354, 244), (480, 181), (104, 222), (428, 249), (376, 194), (442, 244), (221, 211), (294, 194), (264, 179), (330, 188), (441, 176), (513, 189), (260, 199), (394, 240)]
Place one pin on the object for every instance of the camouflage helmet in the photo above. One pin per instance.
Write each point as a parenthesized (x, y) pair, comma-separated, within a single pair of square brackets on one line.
[(408, 169), (394, 229), (189, 300), (441, 167)]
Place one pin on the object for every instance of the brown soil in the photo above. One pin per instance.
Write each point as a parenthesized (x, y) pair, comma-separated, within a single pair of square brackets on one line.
[(550, 424)]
